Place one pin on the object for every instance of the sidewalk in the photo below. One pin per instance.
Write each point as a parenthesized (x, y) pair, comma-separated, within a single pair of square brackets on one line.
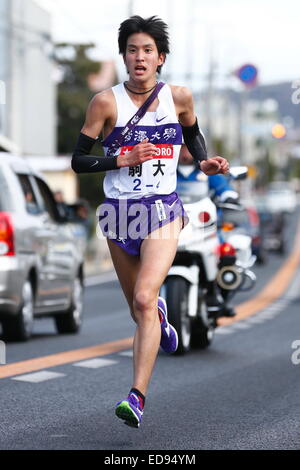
[(97, 259)]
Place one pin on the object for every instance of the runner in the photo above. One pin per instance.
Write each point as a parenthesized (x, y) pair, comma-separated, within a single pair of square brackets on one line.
[(140, 187)]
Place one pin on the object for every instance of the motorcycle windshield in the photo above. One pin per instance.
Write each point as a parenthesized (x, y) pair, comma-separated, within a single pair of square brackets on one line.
[(192, 191)]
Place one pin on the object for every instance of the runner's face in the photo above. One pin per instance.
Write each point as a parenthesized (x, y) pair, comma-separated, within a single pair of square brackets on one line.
[(142, 57)]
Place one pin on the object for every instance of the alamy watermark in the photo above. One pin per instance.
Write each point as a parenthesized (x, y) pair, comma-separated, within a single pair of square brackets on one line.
[(2, 92), (296, 94), (2, 353), (121, 221), (295, 358)]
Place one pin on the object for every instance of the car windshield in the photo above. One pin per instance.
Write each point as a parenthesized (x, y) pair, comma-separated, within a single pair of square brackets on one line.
[(192, 191)]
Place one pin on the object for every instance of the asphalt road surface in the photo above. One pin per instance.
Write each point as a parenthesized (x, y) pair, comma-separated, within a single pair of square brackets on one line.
[(240, 393)]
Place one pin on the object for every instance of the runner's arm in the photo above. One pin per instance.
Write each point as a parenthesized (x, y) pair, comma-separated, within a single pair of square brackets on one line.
[(192, 135), (96, 115), (82, 162), (98, 112)]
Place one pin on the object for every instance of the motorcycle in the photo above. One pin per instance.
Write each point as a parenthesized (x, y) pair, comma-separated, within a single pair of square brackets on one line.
[(235, 249), (194, 267), (200, 261)]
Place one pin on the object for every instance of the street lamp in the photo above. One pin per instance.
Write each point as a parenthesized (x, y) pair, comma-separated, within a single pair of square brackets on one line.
[(278, 131)]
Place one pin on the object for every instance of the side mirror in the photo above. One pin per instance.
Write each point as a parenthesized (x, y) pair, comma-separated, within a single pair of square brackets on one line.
[(239, 172)]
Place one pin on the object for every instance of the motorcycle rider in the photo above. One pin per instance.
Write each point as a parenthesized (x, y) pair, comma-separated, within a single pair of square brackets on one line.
[(221, 189)]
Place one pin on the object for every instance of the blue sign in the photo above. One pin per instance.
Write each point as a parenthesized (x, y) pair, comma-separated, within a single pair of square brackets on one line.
[(247, 74)]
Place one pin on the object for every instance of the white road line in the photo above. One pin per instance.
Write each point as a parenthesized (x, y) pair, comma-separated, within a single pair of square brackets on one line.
[(40, 376), (243, 325), (128, 353), (270, 310), (268, 315), (281, 304), (95, 363), (224, 330), (275, 310), (256, 319), (293, 290)]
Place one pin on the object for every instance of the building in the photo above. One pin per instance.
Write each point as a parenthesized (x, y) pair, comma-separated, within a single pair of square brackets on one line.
[(28, 116), (244, 121)]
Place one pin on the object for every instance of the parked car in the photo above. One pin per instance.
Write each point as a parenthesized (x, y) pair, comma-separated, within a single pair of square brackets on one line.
[(246, 221), (272, 226), (41, 260), (257, 234), (281, 198)]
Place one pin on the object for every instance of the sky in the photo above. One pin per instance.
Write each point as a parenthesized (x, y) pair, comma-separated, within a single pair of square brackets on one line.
[(230, 32)]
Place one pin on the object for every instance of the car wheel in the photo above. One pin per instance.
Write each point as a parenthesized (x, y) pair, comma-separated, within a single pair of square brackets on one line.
[(261, 256), (19, 327), (70, 321), (282, 248)]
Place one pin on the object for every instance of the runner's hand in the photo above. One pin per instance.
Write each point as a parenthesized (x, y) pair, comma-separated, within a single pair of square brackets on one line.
[(139, 154), (214, 165)]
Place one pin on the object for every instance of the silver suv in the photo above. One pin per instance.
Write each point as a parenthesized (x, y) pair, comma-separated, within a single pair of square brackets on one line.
[(41, 257)]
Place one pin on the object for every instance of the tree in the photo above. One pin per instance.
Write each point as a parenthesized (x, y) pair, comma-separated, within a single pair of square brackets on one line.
[(72, 100)]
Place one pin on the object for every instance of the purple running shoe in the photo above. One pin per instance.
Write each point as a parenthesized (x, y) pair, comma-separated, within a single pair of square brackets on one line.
[(169, 337), (130, 410)]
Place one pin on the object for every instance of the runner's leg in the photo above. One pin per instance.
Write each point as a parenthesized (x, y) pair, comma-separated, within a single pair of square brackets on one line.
[(157, 255), (141, 279), (127, 267)]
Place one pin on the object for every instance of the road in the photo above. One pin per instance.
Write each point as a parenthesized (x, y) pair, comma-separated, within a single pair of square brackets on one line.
[(240, 393)]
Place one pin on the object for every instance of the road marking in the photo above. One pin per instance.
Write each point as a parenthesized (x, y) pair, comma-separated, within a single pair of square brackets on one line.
[(128, 353), (41, 376), (95, 363), (44, 362), (256, 319), (243, 325), (224, 330), (268, 314), (273, 291), (275, 288)]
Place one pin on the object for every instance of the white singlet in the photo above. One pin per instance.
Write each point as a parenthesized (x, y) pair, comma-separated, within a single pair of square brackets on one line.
[(156, 176)]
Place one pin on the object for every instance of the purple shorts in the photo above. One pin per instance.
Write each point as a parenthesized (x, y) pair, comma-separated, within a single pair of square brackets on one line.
[(127, 222)]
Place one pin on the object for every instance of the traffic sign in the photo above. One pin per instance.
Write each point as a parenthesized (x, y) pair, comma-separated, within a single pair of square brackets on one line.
[(247, 73)]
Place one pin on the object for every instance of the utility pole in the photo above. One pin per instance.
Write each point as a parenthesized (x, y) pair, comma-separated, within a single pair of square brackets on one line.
[(247, 74), (209, 97), (243, 99), (130, 7), (190, 43)]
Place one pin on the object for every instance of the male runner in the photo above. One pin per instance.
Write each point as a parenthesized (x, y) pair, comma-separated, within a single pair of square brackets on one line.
[(143, 172)]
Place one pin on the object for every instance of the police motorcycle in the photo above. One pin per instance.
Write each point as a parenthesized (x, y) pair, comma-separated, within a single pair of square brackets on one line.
[(235, 248), (195, 266)]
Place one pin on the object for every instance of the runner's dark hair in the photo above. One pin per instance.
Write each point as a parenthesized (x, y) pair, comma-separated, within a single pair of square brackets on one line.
[(154, 26)]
